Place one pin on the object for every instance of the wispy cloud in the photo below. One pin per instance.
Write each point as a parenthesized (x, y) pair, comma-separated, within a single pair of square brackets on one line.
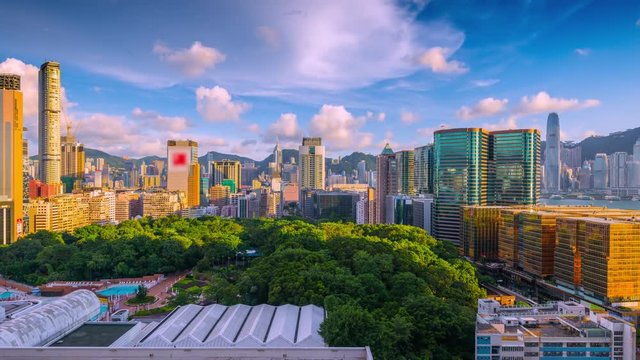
[(483, 108), (435, 59), (408, 117), (216, 104), (543, 102), (583, 51)]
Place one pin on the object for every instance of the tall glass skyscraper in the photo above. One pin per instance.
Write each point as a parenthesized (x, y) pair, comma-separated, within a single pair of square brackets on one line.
[(461, 175), (386, 180), (424, 169), (50, 108), (514, 171), (406, 163), (552, 154), (601, 171)]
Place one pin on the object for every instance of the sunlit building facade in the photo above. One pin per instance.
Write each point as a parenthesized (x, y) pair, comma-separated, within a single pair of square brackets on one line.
[(50, 110), (424, 169), (311, 167), (58, 213), (230, 170), (386, 180), (11, 159)]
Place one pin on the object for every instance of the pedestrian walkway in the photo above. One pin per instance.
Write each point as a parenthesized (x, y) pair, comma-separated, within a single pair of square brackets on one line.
[(160, 292)]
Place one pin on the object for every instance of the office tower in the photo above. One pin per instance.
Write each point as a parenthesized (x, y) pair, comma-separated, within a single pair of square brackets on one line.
[(204, 190), (424, 169), (571, 155), (249, 172), (335, 205), (11, 163), (362, 172), (58, 213), (552, 154), (514, 162), (618, 169), (601, 171), (181, 154), (100, 164), (72, 156), (193, 192), (405, 161), (460, 177), (399, 209), (277, 160), (50, 108), (227, 172), (584, 176), (219, 195), (311, 168), (386, 181)]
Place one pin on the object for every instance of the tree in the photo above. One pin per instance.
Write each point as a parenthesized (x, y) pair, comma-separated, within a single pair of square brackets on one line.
[(141, 292)]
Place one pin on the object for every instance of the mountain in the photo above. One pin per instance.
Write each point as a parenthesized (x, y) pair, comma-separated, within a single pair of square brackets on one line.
[(216, 156), (617, 141), (350, 162)]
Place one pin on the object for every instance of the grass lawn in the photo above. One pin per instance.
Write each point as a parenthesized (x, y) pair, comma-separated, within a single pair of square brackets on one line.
[(146, 300)]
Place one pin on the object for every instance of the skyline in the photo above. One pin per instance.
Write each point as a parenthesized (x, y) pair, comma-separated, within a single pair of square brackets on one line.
[(414, 67)]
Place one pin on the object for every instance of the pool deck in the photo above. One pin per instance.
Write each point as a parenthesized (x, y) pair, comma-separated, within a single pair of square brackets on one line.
[(160, 291)]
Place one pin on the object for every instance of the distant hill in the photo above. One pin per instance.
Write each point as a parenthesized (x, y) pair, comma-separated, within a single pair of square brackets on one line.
[(617, 141), (216, 156), (350, 162)]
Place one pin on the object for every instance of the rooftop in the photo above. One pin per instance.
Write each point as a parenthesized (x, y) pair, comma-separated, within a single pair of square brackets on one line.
[(94, 335)]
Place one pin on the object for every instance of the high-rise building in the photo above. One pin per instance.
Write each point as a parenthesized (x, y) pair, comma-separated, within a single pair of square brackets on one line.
[(11, 163), (460, 177), (514, 162), (552, 154), (163, 203), (226, 170), (601, 171), (204, 190), (72, 156), (219, 195), (181, 155), (405, 161), (618, 169), (362, 172), (424, 169), (277, 160), (58, 213), (312, 167), (193, 192), (50, 109), (571, 155), (386, 181)]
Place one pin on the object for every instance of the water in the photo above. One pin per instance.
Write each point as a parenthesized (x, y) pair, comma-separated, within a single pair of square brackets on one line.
[(6, 295), (611, 204), (119, 290)]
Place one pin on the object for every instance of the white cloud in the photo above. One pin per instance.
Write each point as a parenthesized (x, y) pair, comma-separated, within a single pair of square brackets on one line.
[(542, 102), (269, 35), (254, 128), (435, 59), (589, 133), (381, 117), (192, 61), (339, 129), (583, 51), (506, 124), (638, 23), (285, 129), (215, 104), (483, 108), (152, 118), (408, 117)]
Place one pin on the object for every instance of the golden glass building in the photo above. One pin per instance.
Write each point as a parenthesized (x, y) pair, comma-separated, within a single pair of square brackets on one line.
[(219, 195), (193, 193), (598, 257), (50, 108), (480, 229), (405, 160), (11, 161), (72, 156)]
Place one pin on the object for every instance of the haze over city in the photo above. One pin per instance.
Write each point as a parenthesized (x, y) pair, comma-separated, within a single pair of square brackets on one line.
[(237, 76)]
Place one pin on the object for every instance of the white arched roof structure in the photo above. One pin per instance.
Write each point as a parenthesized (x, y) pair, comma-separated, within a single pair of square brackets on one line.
[(50, 320)]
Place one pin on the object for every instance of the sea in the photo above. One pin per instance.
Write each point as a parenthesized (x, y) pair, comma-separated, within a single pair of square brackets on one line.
[(612, 204)]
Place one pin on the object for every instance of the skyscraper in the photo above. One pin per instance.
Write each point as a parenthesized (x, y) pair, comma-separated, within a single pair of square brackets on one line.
[(424, 169), (386, 181), (460, 177), (11, 163), (312, 167), (193, 193), (514, 165), (405, 160), (362, 172), (72, 156), (601, 171), (50, 108), (552, 154), (226, 170), (277, 160), (181, 155), (618, 169)]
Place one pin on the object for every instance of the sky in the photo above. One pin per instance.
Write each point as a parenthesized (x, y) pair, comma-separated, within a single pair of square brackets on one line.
[(237, 76)]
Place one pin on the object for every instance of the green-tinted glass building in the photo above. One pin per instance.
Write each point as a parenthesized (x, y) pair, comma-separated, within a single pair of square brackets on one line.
[(405, 161), (423, 169), (514, 173), (460, 177)]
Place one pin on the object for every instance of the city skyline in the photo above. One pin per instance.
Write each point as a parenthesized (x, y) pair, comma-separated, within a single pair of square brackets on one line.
[(414, 68)]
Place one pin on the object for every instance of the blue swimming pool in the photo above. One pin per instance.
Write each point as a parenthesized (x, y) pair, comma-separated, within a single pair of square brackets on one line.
[(119, 290), (5, 295)]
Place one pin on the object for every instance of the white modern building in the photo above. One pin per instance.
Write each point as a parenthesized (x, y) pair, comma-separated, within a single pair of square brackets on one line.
[(559, 330)]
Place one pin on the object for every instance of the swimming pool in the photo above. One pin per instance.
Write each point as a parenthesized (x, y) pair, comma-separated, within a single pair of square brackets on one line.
[(119, 290), (6, 295)]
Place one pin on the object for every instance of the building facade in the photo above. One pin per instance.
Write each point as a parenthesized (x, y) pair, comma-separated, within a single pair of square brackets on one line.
[(11, 159), (229, 170), (552, 164), (424, 169), (311, 166), (386, 180), (181, 174), (50, 111), (405, 161)]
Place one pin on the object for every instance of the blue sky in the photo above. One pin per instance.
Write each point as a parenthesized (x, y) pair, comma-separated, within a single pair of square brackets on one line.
[(238, 75)]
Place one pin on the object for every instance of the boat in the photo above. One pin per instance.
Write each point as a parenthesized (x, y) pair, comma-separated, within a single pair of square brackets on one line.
[(612, 197), (555, 197), (584, 197)]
